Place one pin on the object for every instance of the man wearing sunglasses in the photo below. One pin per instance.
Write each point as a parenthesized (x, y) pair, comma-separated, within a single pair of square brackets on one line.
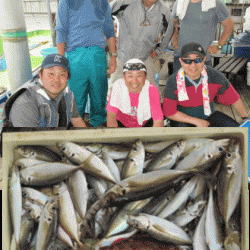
[(190, 93), (198, 21)]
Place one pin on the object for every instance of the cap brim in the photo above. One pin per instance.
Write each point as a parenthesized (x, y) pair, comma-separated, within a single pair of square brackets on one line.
[(54, 64)]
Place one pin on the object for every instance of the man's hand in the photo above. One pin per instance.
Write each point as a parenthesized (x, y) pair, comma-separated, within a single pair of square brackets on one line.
[(153, 54), (212, 49), (201, 123), (112, 65)]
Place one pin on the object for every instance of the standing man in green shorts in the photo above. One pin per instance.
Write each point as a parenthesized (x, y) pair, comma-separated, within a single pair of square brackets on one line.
[(84, 28)]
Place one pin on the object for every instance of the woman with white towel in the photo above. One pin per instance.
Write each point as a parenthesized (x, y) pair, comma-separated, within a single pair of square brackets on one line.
[(134, 101), (198, 22)]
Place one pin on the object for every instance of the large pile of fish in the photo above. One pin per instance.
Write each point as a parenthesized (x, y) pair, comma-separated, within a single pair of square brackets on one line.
[(185, 193)]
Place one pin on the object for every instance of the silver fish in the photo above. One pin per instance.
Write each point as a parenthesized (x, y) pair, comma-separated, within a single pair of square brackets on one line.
[(27, 231), (111, 165), (78, 189), (33, 208), (190, 212), (88, 161), (157, 204), (15, 201), (38, 152), (67, 216), (134, 162), (156, 147), (48, 226), (22, 163), (46, 174), (167, 157), (229, 182), (180, 198), (213, 228), (34, 195), (99, 185), (64, 237), (119, 222), (159, 228), (203, 156), (199, 239)]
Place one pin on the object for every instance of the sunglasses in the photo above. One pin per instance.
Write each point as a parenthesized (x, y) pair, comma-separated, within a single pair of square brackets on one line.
[(134, 66), (189, 61)]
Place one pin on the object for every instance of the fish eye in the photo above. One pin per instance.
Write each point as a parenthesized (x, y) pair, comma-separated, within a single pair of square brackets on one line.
[(49, 219), (124, 192), (32, 153), (229, 155), (53, 208), (135, 149), (63, 148), (209, 156), (221, 149), (73, 155), (38, 217)]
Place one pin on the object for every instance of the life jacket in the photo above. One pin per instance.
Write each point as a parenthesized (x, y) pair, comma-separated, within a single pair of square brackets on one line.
[(49, 116)]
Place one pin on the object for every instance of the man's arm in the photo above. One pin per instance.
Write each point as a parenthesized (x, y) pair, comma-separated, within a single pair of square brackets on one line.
[(112, 65), (176, 33), (228, 29), (166, 36), (111, 120), (182, 117), (158, 123), (78, 122), (239, 106), (62, 26)]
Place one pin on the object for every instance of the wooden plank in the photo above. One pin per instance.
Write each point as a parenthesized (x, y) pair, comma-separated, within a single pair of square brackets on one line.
[(233, 65), (227, 62), (239, 66)]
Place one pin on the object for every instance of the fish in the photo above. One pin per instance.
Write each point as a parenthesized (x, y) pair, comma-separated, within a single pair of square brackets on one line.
[(100, 186), (87, 160), (159, 228), (48, 225), (180, 198), (109, 162), (167, 157), (204, 156), (15, 202), (193, 210), (64, 237), (34, 195), (199, 239), (22, 163), (33, 208), (27, 230), (38, 152), (46, 174), (134, 162), (119, 222), (78, 188), (67, 216), (213, 229), (158, 203), (229, 188)]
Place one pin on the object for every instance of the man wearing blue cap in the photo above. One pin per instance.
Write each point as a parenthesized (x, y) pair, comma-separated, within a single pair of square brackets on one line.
[(46, 101)]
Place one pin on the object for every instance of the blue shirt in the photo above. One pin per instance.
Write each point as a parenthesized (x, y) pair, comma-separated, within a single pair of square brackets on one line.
[(84, 23)]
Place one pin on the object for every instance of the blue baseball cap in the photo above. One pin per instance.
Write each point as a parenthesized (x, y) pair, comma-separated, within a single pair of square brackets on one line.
[(52, 60)]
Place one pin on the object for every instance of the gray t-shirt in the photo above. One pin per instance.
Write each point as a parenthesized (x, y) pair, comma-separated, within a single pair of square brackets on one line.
[(198, 26), (25, 112)]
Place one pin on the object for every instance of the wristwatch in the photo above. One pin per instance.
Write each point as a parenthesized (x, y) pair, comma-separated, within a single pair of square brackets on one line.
[(219, 46), (246, 117), (113, 54)]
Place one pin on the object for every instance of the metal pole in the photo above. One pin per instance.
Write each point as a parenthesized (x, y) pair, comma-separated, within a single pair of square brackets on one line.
[(15, 42), (52, 29)]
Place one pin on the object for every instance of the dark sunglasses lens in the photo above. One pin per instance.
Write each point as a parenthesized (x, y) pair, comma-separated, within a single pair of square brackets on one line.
[(187, 61), (198, 60)]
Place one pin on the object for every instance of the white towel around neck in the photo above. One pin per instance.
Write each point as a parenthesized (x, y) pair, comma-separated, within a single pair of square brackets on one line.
[(121, 100), (182, 6)]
